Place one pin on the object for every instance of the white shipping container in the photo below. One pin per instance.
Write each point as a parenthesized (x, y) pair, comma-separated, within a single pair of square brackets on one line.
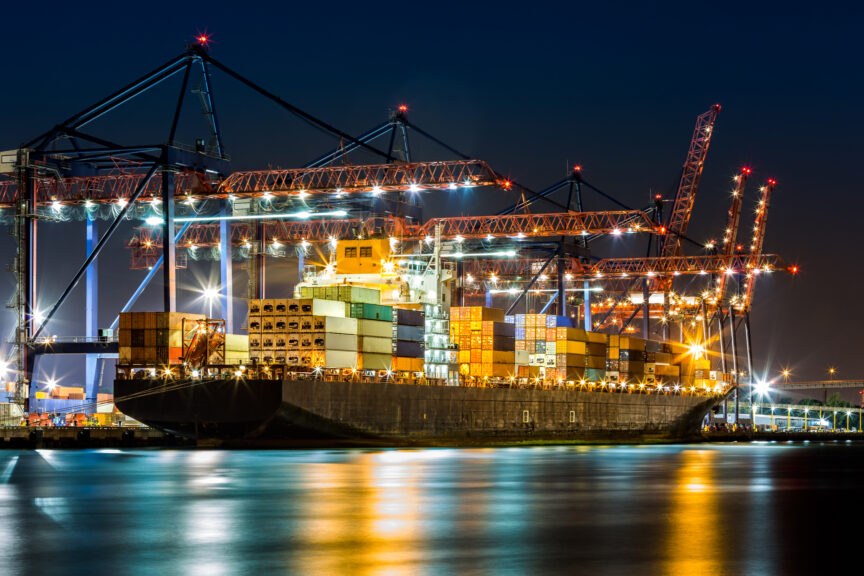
[(523, 357), (329, 308), (375, 345), (333, 341), (339, 325), (340, 359), (235, 343), (375, 328)]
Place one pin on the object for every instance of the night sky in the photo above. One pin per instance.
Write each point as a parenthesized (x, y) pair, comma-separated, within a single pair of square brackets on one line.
[(531, 90)]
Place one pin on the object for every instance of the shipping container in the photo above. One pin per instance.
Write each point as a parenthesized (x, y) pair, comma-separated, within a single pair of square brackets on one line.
[(596, 337), (497, 357), (375, 345), (405, 317), (317, 307), (409, 349), (371, 361), (402, 364), (375, 328), (570, 347), (409, 333), (371, 311), (553, 321), (567, 360), (333, 341), (341, 359)]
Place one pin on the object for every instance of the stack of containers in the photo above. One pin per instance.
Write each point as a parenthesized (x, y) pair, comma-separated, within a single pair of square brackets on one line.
[(626, 362), (595, 357), (652, 349), (667, 368), (571, 348), (486, 342), (152, 338), (408, 340), (440, 358), (548, 346), (303, 332), (375, 335)]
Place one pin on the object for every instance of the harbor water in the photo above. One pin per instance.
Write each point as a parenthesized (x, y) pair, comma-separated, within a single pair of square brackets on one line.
[(771, 508)]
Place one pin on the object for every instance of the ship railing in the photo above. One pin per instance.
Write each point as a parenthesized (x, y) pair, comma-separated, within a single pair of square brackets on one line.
[(74, 339)]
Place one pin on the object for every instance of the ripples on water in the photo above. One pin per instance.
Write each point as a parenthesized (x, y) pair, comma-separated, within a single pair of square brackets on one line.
[(707, 510)]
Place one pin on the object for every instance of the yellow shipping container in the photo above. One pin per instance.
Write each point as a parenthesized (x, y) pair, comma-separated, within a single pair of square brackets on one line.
[(569, 347), (596, 337), (497, 357), (577, 334)]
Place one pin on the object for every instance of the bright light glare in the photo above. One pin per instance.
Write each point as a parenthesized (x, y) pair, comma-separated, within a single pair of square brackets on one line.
[(210, 293), (153, 221), (762, 388)]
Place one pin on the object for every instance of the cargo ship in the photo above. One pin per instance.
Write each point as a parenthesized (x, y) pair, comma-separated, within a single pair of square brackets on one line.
[(340, 378), (292, 411), (371, 350)]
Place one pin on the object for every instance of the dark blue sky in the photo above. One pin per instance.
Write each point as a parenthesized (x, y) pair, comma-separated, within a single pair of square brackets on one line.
[(532, 90)]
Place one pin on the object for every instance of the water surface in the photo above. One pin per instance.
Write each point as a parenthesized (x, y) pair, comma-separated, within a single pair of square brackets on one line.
[(694, 509)]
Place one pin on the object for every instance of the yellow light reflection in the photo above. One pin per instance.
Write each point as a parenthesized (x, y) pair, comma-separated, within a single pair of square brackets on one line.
[(364, 517), (693, 544)]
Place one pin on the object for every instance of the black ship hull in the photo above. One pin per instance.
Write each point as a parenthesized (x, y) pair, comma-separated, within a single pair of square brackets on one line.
[(300, 412)]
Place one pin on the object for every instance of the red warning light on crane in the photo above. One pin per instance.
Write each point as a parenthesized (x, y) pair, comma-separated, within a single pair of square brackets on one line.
[(745, 170), (772, 182), (403, 108), (577, 168), (794, 269), (203, 39)]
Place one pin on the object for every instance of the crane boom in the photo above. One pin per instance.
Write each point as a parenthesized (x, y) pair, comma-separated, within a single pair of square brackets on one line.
[(758, 239), (679, 218), (730, 233)]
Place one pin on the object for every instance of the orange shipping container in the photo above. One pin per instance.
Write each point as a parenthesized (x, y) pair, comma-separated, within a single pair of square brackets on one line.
[(407, 364)]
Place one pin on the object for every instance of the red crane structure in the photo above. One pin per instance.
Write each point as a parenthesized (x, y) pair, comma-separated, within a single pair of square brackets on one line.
[(679, 217), (730, 233)]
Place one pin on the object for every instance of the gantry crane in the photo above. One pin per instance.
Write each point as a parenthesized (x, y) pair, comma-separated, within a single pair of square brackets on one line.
[(730, 233), (682, 207)]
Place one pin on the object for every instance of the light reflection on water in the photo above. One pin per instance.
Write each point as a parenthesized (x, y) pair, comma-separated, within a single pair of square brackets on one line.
[(631, 510)]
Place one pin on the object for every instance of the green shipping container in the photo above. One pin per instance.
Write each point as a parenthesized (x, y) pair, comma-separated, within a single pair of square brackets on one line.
[(359, 294), (371, 311), (595, 374)]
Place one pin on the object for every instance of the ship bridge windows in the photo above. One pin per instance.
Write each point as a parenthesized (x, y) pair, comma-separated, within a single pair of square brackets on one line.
[(351, 252), (365, 252)]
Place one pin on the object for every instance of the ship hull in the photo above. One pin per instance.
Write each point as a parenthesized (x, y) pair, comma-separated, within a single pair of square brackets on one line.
[(297, 412)]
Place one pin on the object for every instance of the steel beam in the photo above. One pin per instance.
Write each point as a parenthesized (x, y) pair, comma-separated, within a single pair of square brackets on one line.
[(586, 304), (531, 283), (150, 275), (102, 241), (91, 313), (169, 252), (734, 359), (226, 270)]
